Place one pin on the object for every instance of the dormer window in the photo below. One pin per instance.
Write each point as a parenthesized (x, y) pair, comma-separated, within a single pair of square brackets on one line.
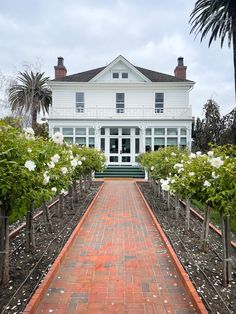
[(124, 75), (115, 75)]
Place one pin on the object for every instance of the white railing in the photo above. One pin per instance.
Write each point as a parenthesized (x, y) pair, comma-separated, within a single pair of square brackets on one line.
[(129, 113)]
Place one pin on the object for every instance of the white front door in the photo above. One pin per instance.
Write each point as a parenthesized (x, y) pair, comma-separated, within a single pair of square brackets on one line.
[(120, 151)]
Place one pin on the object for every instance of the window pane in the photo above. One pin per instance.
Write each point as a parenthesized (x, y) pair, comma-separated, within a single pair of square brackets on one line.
[(137, 146), (125, 75), (67, 131), (80, 131), (148, 144), (172, 131), (159, 131), (113, 131), (125, 159), (91, 131), (115, 75), (91, 142), (137, 131), (159, 142), (148, 131), (114, 145), (183, 141), (103, 144), (102, 131), (159, 102), (172, 141), (120, 97), (68, 140), (125, 131), (80, 141), (159, 97), (113, 158), (56, 130), (183, 131), (79, 97), (126, 145)]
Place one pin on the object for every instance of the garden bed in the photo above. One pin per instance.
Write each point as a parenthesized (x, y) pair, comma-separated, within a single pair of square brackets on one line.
[(27, 270), (204, 269)]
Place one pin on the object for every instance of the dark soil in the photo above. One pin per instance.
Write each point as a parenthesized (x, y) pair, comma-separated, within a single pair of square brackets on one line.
[(27, 270), (204, 269)]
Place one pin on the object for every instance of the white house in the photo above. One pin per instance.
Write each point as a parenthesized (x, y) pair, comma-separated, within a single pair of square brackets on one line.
[(122, 109)]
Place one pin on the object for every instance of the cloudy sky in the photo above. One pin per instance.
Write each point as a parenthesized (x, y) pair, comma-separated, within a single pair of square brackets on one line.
[(91, 33)]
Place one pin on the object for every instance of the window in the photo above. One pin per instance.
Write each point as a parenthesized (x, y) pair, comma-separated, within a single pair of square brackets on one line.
[(148, 144), (91, 142), (148, 131), (183, 131), (103, 144), (159, 131), (79, 101), (120, 102), (125, 131), (137, 146), (67, 131), (56, 130), (183, 141), (137, 131), (159, 142), (172, 142), (80, 141), (124, 75), (172, 131), (113, 131), (102, 131), (159, 102), (91, 131), (115, 75), (80, 131)]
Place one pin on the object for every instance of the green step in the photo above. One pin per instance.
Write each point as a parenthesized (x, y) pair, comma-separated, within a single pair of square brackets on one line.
[(121, 172)]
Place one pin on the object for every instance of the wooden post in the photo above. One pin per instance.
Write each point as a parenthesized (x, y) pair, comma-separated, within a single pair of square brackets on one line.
[(71, 198), (30, 236), (226, 240), (168, 200), (61, 205), (205, 228), (47, 217), (177, 207), (75, 191), (187, 215)]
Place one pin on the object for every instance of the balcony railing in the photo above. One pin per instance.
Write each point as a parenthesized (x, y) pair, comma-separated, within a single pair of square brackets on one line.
[(128, 113)]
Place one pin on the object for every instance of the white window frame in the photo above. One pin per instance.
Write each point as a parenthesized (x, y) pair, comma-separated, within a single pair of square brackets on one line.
[(79, 105), (159, 105), (120, 103)]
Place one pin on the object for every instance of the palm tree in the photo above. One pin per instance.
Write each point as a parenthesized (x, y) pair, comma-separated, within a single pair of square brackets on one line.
[(217, 17), (30, 95)]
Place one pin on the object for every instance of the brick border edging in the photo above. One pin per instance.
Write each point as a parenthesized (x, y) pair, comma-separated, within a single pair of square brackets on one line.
[(42, 288), (200, 307)]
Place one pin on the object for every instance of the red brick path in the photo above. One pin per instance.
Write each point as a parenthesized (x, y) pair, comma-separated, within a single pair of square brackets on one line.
[(118, 263)]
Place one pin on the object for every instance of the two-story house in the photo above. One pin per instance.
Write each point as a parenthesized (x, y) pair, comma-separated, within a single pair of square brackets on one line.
[(122, 109)]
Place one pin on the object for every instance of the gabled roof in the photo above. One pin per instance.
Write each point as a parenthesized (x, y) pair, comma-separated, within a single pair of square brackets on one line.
[(151, 75)]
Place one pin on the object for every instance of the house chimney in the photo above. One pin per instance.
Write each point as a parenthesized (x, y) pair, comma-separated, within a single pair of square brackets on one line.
[(60, 69), (180, 70)]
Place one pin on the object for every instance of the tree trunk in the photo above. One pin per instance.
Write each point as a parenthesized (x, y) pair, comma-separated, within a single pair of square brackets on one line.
[(176, 207), (61, 205), (75, 191), (30, 235), (33, 118), (168, 199), (47, 218), (81, 186), (205, 228), (187, 215), (4, 247), (226, 239), (71, 198)]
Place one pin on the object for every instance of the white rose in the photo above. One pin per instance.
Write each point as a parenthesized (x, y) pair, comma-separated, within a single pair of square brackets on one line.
[(74, 162), (54, 189), (30, 165), (55, 158), (51, 164), (216, 162), (206, 183), (191, 174), (64, 170), (58, 138), (79, 163)]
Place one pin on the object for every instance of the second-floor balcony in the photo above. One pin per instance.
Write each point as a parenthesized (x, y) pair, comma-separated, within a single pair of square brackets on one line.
[(101, 113)]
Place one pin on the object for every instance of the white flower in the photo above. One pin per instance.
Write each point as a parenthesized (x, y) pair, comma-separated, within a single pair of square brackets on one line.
[(173, 154), (55, 158), (180, 170), (58, 138), (192, 155), (210, 153), (172, 181), (46, 180), (30, 165), (198, 153), (165, 185), (216, 162), (152, 168), (206, 183), (29, 150), (74, 162), (29, 133), (54, 189), (191, 174), (51, 164), (79, 163), (63, 191), (214, 176), (64, 170), (83, 158), (178, 166)]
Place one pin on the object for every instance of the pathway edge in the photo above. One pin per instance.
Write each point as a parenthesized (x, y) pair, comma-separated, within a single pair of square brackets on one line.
[(38, 294), (183, 274)]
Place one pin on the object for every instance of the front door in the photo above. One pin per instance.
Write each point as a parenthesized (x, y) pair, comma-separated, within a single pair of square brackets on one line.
[(120, 151)]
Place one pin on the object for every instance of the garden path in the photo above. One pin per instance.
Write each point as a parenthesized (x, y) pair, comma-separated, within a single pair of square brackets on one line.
[(118, 262)]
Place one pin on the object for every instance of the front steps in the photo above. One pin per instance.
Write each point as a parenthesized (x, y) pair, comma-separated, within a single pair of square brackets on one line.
[(121, 172)]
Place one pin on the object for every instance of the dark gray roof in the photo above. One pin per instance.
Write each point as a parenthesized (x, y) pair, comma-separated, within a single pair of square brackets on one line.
[(153, 76)]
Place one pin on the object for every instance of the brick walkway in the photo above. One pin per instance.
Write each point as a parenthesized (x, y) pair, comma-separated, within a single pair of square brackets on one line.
[(118, 263)]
